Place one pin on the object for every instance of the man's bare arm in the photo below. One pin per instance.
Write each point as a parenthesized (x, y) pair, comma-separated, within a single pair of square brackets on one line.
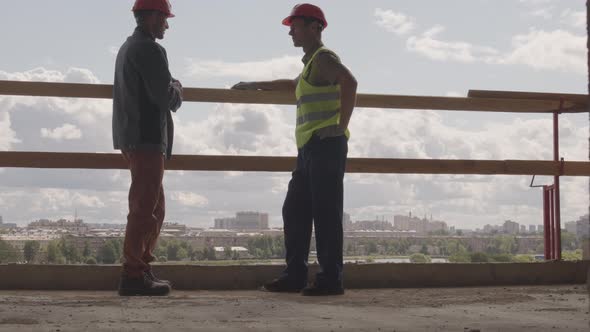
[(277, 85)]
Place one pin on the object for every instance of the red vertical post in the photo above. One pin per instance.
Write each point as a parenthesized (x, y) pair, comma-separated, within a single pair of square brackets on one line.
[(552, 221), (546, 222), (556, 189)]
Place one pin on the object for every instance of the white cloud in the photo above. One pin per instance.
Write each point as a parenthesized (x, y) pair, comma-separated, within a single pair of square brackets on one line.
[(56, 199), (189, 199), (40, 74), (395, 22), (277, 68), (455, 94), (536, 2), (576, 19), (545, 13), (428, 45), (538, 49), (238, 129), (65, 132), (7, 135), (113, 50), (556, 50)]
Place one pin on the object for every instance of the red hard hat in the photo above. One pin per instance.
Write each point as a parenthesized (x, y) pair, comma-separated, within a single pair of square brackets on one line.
[(163, 6), (306, 10)]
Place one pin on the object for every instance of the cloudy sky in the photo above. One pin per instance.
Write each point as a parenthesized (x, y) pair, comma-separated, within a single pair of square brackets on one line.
[(427, 47)]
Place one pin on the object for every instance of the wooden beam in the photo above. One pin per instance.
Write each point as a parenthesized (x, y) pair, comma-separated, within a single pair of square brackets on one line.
[(579, 100), (282, 98), (51, 160)]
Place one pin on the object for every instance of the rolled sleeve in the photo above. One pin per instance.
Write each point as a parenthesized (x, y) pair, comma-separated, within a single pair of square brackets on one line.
[(153, 67)]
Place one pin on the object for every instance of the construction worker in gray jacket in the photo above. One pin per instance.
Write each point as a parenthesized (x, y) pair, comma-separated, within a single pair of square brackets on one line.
[(144, 95)]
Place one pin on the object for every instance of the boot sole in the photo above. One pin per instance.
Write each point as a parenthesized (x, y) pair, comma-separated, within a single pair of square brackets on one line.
[(142, 292)]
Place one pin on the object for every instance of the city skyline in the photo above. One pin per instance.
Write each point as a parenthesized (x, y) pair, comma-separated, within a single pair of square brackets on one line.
[(347, 220)]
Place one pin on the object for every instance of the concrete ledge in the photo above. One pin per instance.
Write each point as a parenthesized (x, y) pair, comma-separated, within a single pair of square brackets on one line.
[(191, 277)]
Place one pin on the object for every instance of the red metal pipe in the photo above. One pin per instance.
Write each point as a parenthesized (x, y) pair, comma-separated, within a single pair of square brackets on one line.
[(552, 221), (546, 218), (556, 182)]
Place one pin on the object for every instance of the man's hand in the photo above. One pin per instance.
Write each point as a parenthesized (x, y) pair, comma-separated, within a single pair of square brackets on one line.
[(245, 86), (175, 93)]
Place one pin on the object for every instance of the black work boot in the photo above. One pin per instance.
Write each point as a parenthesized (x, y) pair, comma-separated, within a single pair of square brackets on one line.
[(283, 285), (320, 289), (152, 276), (142, 286)]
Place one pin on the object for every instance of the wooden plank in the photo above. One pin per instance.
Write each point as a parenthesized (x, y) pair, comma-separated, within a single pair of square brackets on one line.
[(51, 160), (575, 98), (283, 98), (580, 100)]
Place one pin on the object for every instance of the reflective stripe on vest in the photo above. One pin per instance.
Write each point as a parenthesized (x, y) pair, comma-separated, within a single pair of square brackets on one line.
[(317, 106)]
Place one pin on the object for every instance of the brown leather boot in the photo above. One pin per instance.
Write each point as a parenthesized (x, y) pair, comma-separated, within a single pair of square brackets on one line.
[(152, 276), (142, 286)]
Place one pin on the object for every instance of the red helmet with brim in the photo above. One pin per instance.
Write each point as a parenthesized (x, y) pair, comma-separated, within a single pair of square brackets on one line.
[(306, 10), (162, 6)]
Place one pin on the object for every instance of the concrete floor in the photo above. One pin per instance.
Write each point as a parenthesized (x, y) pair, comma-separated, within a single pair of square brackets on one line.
[(546, 308)]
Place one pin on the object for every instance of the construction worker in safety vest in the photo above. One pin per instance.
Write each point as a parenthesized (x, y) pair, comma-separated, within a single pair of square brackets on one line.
[(144, 94), (326, 96)]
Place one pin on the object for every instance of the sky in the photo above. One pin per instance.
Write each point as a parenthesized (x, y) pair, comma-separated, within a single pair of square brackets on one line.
[(407, 47)]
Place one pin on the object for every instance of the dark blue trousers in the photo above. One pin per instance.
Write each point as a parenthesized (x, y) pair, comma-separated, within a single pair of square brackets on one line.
[(315, 198)]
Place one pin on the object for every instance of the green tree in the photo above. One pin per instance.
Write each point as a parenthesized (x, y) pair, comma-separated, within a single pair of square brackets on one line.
[(424, 249), (227, 252), (569, 241), (161, 250), (86, 251), (54, 253), (453, 248), (419, 258), (501, 258), (182, 254), (30, 250), (479, 257), (572, 255), (107, 253), (523, 259), (8, 254), (372, 248), (460, 258), (91, 261), (72, 254), (172, 251)]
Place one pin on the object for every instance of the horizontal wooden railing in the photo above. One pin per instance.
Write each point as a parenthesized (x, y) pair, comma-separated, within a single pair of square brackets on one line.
[(55, 160), (492, 104), (480, 101)]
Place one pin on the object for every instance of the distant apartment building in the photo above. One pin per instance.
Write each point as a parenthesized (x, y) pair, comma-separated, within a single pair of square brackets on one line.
[(346, 221), (5, 226), (412, 223), (243, 221), (490, 229), (370, 225), (174, 229), (571, 227), (76, 227), (583, 227), (540, 228), (532, 229), (522, 229), (510, 227)]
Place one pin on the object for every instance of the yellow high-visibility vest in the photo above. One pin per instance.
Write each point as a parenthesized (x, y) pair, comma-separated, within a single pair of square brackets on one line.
[(317, 106)]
